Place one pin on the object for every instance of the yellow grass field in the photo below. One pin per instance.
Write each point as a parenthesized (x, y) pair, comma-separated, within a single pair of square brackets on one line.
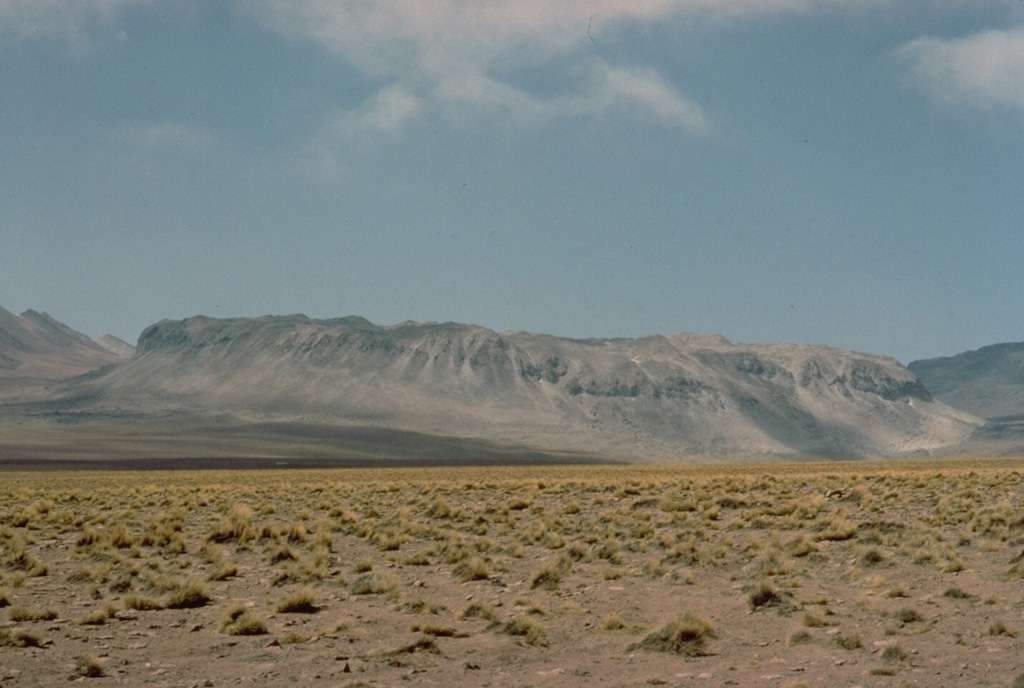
[(905, 573)]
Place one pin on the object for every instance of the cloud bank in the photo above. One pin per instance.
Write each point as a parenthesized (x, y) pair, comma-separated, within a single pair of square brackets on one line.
[(983, 70), (451, 58), (450, 55), (457, 59)]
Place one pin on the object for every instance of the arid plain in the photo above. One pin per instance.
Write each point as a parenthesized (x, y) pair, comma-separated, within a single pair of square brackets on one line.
[(903, 573)]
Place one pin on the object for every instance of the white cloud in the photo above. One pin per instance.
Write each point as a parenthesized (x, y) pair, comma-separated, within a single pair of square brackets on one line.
[(447, 58), (658, 97), (445, 54), (389, 112), (984, 70)]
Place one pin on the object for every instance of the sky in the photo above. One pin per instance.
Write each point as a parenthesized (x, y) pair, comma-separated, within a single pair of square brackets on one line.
[(842, 172)]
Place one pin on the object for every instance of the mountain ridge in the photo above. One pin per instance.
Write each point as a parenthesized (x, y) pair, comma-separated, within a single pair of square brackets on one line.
[(656, 396), (988, 382)]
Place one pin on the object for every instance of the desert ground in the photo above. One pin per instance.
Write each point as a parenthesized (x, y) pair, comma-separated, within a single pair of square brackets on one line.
[(907, 573)]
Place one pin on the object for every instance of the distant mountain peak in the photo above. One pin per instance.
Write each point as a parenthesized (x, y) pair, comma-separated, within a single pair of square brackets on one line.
[(36, 349)]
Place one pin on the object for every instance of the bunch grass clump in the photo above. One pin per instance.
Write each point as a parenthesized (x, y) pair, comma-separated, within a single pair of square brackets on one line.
[(799, 637), (849, 641), (479, 611), (895, 653), (423, 644), (142, 604), (1000, 628), (476, 568), (241, 621), (88, 666), (765, 595), (25, 614), (98, 617), (375, 584), (908, 615), (687, 635), (612, 622), (300, 602), (551, 573), (19, 637), (437, 631), (191, 595), (531, 632)]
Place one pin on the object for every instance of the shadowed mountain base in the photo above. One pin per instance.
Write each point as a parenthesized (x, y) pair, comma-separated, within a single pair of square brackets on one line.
[(193, 444)]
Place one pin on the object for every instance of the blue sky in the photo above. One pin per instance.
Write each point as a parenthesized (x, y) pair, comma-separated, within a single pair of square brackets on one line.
[(814, 171)]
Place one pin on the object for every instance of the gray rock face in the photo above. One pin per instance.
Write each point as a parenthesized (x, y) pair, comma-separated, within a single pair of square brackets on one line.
[(654, 397), (988, 382)]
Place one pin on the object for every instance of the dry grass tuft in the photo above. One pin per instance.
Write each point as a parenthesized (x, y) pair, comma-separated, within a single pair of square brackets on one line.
[(88, 666), (19, 637), (872, 556), (191, 595), (25, 614), (479, 611), (97, 617), (849, 641), (294, 638), (811, 621), (799, 637), (895, 653), (375, 584), (240, 621), (475, 568), (908, 615), (687, 635), (551, 573), (531, 632), (1000, 628), (765, 595), (300, 602), (437, 631), (424, 644), (142, 604), (223, 571), (612, 622)]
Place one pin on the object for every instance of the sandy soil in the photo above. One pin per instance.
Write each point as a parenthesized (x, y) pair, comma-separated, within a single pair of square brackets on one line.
[(910, 575)]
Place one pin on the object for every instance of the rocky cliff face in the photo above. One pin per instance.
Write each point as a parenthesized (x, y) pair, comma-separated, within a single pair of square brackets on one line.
[(657, 397)]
